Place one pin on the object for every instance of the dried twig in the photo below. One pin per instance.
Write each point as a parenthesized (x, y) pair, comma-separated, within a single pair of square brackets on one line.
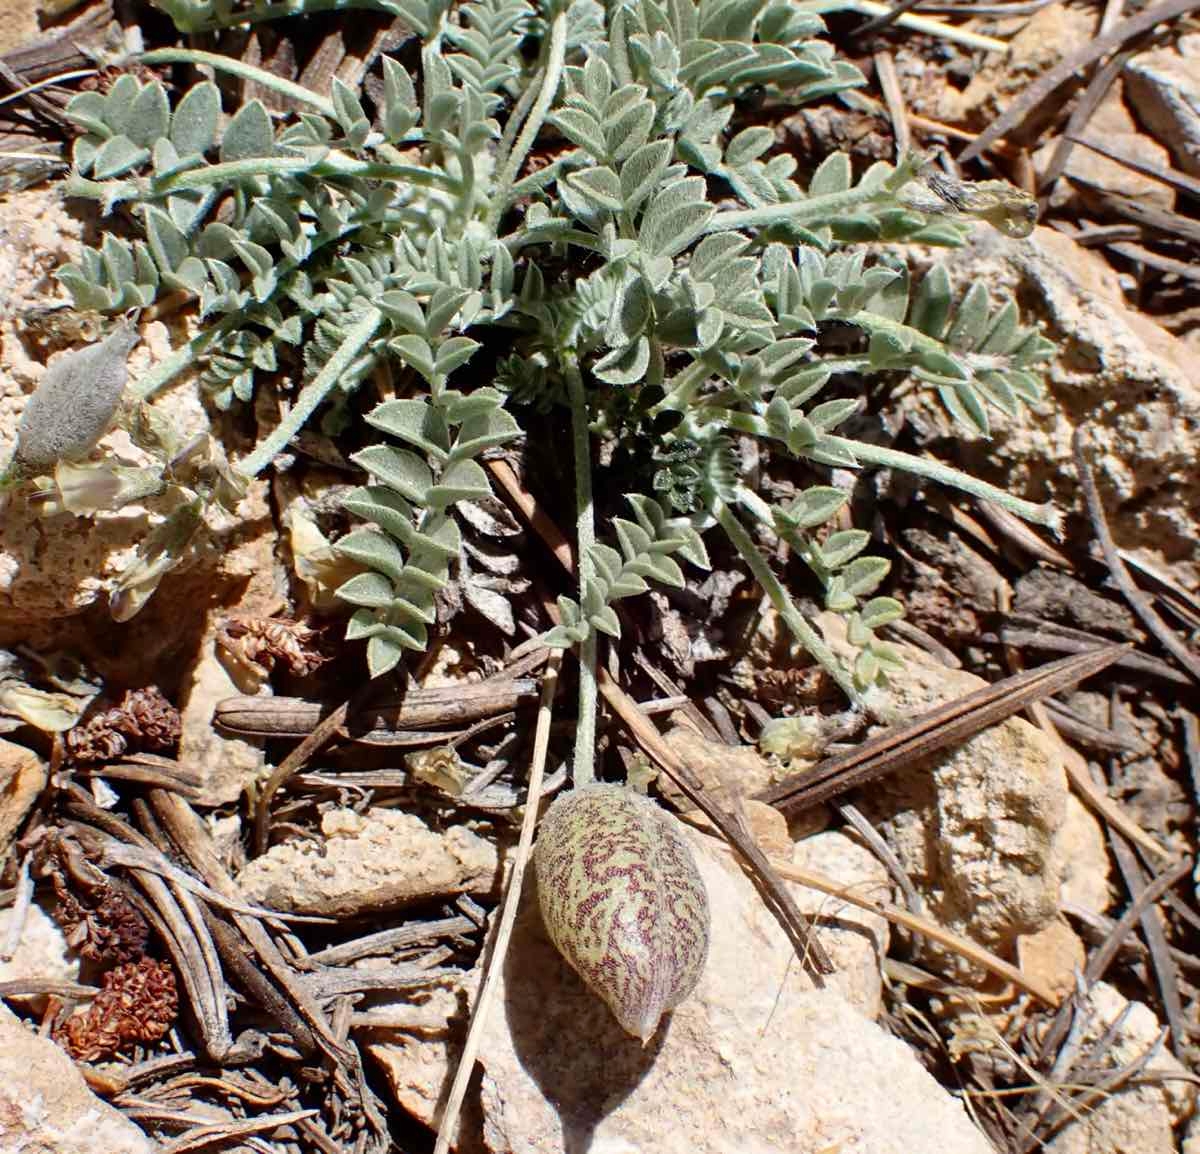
[(508, 915), (1075, 64), (1156, 941), (947, 725), (1138, 601)]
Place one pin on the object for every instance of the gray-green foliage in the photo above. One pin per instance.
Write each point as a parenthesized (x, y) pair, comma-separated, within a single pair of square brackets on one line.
[(667, 249)]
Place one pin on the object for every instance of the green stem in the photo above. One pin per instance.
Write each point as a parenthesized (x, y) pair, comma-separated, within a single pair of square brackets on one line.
[(784, 606), (245, 71), (814, 209), (513, 125), (585, 540), (555, 58), (865, 453), (312, 395), (1046, 514)]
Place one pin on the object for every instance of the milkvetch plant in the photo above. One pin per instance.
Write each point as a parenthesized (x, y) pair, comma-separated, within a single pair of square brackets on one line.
[(663, 272)]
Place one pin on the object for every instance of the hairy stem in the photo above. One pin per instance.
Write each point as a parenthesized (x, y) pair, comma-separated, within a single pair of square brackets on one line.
[(313, 394), (237, 68), (1046, 515), (784, 606), (555, 57), (585, 540)]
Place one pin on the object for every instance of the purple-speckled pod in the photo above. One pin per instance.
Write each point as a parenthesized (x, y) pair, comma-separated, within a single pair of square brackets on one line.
[(623, 901)]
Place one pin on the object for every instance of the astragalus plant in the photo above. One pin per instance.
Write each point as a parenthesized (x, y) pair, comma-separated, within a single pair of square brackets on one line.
[(561, 205)]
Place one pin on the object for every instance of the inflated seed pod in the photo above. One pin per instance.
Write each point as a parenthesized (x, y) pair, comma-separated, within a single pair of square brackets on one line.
[(623, 901), (73, 406)]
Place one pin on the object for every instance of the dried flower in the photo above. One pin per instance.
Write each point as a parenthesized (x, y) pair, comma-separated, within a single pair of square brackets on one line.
[(258, 642), (139, 1003), (102, 925), (145, 719)]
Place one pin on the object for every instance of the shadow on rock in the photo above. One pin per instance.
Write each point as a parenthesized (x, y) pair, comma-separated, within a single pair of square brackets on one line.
[(564, 1036)]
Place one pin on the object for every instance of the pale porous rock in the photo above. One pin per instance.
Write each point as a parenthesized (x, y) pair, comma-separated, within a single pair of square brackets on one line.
[(45, 1106), (1086, 865), (367, 863), (1165, 88), (1134, 386), (42, 952), (975, 827), (754, 1061), (1136, 1118), (243, 579), (22, 777)]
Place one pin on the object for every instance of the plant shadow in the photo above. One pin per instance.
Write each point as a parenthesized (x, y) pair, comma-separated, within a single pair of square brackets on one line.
[(564, 1036)]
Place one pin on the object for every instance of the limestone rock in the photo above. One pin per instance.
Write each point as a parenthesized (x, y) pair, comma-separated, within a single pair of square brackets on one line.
[(1137, 1118), (975, 826), (41, 953), (370, 862), (755, 1060), (22, 777), (1112, 125), (1136, 387), (723, 769), (1165, 87), (45, 1107), (1084, 857)]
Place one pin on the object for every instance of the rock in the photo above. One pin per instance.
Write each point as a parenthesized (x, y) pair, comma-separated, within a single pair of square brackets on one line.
[(975, 827), (1112, 125), (1052, 956), (1138, 1118), (227, 764), (45, 1107), (1164, 85), (368, 863), (23, 775), (1050, 34), (42, 952), (1084, 856), (19, 24), (1135, 387), (739, 769), (755, 1060)]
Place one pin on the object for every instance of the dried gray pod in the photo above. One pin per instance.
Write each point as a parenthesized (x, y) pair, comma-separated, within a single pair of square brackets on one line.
[(73, 407), (623, 901)]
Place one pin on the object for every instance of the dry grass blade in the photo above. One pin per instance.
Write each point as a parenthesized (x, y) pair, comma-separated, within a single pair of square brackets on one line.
[(947, 725), (148, 769), (1021, 534), (508, 915), (1138, 601), (889, 85), (1082, 113), (224, 1133), (1103, 956), (1049, 637), (920, 925), (1171, 176), (1169, 224), (325, 731), (1156, 940), (1033, 96)]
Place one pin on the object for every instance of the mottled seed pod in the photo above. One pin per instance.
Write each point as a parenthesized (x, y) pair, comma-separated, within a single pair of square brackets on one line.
[(623, 901), (73, 406)]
